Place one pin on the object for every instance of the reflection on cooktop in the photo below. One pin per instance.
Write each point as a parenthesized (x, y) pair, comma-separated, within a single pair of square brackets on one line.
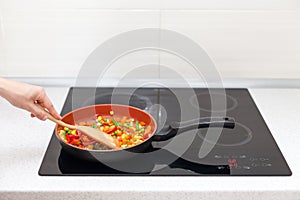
[(240, 136), (142, 164)]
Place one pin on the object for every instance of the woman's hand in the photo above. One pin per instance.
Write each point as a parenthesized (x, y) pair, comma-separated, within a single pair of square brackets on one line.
[(25, 96)]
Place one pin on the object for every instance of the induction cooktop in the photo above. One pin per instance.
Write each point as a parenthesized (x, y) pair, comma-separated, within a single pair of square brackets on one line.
[(248, 149)]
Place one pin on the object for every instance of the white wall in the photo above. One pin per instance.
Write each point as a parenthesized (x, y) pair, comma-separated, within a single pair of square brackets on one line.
[(245, 39)]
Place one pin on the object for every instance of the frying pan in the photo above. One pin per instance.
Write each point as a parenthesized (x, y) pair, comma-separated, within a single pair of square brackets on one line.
[(87, 113)]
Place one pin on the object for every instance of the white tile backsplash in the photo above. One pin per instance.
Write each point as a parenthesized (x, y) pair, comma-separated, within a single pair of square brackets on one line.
[(56, 43), (2, 57), (138, 64), (174, 67), (245, 39), (250, 44)]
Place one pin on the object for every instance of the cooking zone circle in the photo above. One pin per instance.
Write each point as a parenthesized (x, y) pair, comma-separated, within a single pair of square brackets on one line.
[(231, 102), (240, 136)]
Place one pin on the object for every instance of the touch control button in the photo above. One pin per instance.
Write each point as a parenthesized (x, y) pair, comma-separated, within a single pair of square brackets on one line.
[(267, 165), (263, 159), (253, 159)]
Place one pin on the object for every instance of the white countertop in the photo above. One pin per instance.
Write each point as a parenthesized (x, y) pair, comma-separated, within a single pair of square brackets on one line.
[(24, 142)]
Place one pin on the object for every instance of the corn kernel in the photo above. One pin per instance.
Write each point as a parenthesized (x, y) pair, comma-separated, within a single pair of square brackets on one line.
[(137, 137), (124, 136), (99, 118), (111, 112), (73, 132)]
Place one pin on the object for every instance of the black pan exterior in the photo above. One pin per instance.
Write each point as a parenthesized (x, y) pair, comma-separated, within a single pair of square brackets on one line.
[(105, 155)]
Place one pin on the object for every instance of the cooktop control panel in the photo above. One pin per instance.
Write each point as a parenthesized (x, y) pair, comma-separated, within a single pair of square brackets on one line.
[(243, 162)]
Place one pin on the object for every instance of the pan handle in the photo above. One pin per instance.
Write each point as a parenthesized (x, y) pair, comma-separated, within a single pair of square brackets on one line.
[(205, 122), (226, 122)]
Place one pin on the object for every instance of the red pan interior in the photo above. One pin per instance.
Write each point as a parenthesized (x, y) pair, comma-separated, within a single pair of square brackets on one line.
[(88, 113)]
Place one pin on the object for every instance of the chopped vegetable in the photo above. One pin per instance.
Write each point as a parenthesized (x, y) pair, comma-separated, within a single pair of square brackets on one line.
[(142, 123), (73, 132), (115, 122), (97, 147), (94, 125), (127, 125), (62, 134)]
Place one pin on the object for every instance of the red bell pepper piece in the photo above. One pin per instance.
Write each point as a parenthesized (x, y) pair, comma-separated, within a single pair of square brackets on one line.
[(70, 138), (75, 142), (111, 129)]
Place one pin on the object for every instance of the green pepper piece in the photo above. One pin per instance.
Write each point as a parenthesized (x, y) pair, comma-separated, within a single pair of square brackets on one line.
[(137, 125), (96, 147), (142, 130), (94, 125), (115, 122), (127, 125)]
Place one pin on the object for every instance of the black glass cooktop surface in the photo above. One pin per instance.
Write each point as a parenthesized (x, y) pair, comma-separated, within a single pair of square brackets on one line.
[(246, 150)]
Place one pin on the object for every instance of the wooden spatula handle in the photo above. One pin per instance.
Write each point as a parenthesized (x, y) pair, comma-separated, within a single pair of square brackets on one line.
[(59, 122)]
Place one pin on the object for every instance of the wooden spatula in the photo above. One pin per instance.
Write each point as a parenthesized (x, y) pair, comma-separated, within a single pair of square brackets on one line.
[(93, 133)]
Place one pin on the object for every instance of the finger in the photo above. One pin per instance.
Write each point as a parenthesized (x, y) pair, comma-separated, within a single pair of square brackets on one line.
[(37, 112), (46, 103)]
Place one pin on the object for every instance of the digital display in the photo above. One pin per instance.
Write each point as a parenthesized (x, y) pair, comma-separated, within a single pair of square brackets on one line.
[(232, 163)]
